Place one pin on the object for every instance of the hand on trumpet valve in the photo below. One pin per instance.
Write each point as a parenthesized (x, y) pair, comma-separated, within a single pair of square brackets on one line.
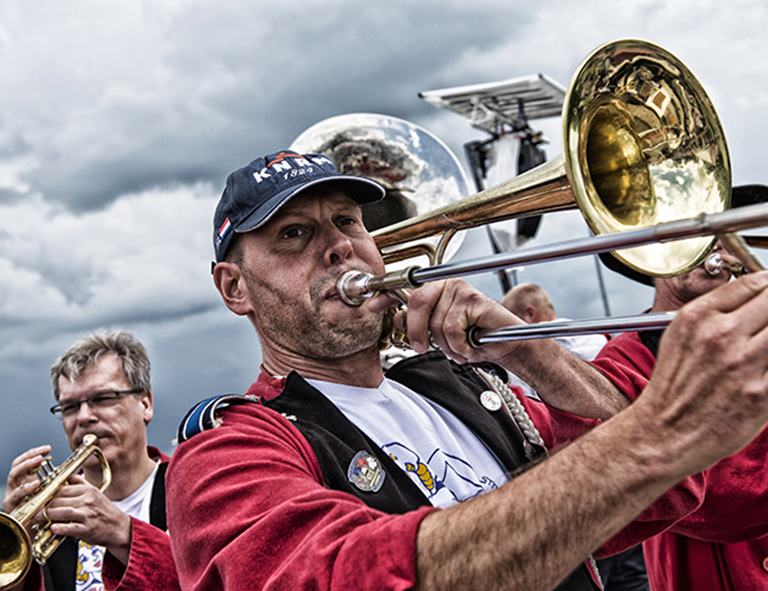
[(22, 479), (81, 511)]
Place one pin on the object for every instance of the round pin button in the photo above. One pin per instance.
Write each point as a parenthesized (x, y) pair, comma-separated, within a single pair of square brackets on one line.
[(490, 400), (765, 564)]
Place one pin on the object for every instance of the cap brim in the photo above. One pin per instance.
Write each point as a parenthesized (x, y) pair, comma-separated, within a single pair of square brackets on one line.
[(617, 266), (361, 189), (748, 195)]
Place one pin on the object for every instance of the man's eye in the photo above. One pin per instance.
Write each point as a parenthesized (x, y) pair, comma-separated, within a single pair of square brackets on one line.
[(292, 233), (347, 221)]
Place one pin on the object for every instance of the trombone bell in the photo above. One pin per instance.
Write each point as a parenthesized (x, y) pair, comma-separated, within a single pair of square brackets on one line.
[(642, 145)]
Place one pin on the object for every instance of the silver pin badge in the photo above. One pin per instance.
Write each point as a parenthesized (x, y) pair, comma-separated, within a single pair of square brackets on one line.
[(365, 472), (490, 400)]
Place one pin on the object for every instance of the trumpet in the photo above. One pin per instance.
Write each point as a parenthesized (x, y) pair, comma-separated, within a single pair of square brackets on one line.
[(16, 547)]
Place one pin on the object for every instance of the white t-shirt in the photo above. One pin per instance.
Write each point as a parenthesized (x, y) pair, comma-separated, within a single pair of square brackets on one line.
[(440, 453), (90, 558), (585, 346)]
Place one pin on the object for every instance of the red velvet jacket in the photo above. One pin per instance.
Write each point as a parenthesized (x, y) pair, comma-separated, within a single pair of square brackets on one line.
[(723, 545), (248, 509)]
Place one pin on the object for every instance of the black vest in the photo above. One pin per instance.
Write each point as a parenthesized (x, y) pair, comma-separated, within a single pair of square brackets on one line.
[(336, 441), (60, 570), (651, 339)]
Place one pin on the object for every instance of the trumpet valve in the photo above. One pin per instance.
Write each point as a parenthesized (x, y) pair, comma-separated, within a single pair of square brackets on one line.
[(44, 470)]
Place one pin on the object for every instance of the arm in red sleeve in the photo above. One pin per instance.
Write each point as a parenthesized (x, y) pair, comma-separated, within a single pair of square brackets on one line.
[(558, 428), (627, 363), (247, 509), (734, 509), (150, 566)]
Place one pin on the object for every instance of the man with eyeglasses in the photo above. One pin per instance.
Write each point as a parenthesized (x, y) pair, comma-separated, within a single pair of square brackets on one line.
[(116, 539)]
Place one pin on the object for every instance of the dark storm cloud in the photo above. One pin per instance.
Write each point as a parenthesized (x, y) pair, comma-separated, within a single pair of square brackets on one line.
[(232, 97)]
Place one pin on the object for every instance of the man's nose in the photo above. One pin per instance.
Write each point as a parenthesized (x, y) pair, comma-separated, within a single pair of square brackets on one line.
[(339, 247), (85, 413)]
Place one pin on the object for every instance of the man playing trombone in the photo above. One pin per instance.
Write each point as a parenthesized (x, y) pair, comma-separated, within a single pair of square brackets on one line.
[(330, 475), (116, 539)]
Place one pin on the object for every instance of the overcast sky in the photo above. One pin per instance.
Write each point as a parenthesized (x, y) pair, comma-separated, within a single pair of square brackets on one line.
[(119, 122)]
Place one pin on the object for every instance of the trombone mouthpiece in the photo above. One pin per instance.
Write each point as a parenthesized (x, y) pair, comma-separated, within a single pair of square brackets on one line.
[(353, 287), (715, 263)]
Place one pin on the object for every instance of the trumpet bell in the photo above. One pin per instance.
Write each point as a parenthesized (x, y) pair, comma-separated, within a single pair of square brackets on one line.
[(16, 547), (643, 145), (15, 556)]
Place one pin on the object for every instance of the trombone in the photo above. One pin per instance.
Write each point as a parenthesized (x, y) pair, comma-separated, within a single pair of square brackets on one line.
[(16, 547), (645, 160), (355, 287)]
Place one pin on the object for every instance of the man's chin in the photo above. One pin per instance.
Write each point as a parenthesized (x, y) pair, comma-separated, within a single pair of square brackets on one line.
[(339, 314), (350, 338)]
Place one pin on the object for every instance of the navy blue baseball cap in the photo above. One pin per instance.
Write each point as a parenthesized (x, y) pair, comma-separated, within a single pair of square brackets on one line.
[(254, 193)]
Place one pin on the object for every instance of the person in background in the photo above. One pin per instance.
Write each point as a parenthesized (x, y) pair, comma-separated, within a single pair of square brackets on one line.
[(723, 545), (532, 304), (624, 571), (331, 475), (115, 539)]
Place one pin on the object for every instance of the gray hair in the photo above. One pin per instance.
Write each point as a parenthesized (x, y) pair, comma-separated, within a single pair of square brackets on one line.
[(86, 352)]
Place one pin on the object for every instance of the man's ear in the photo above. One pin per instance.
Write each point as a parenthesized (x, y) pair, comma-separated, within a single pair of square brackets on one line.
[(147, 404), (531, 315), (231, 284)]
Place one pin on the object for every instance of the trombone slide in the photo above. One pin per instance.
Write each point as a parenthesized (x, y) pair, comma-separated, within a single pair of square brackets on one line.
[(564, 328), (354, 290)]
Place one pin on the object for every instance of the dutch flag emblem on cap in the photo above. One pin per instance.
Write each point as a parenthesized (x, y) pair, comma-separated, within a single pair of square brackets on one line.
[(225, 227), (223, 231)]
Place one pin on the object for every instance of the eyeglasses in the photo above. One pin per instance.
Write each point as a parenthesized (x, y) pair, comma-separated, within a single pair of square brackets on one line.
[(96, 402)]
